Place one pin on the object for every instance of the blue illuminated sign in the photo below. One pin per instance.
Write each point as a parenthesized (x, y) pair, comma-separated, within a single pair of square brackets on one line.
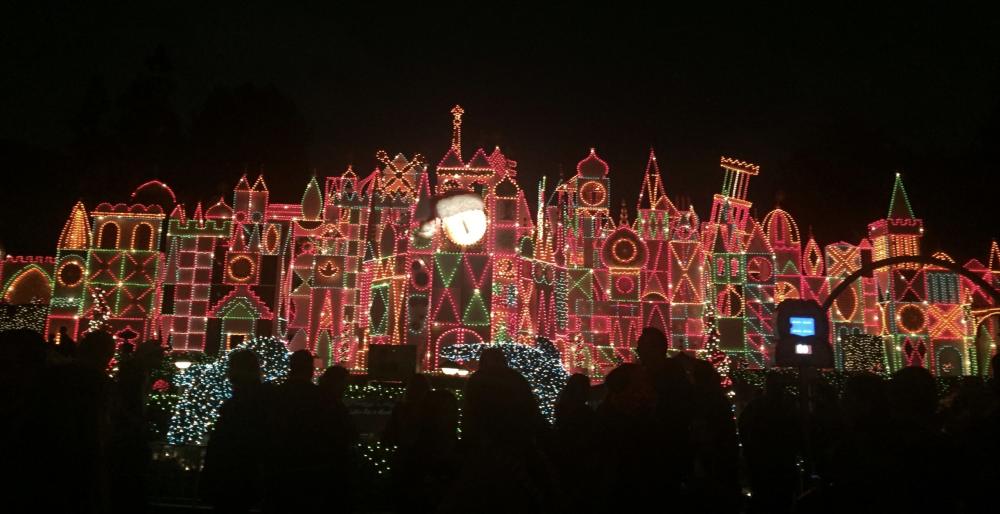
[(803, 326)]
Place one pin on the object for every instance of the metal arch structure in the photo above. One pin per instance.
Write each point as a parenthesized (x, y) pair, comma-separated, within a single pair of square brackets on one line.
[(909, 259)]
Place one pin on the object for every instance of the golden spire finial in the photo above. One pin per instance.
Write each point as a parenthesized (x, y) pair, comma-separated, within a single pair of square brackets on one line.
[(456, 128)]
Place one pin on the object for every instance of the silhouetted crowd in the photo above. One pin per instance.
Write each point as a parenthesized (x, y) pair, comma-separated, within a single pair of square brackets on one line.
[(661, 435)]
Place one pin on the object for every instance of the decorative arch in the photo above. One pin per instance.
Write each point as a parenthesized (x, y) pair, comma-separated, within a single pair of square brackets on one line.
[(142, 237), (30, 283), (154, 187), (948, 361), (109, 236)]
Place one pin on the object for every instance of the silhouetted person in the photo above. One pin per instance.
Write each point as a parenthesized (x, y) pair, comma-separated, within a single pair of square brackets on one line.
[(66, 346), (504, 467), (298, 438), (500, 407), (629, 440), (130, 452), (860, 462), (426, 462), (919, 448), (769, 429), (231, 479), (652, 348), (715, 482), (672, 413), (965, 418), (75, 404), (337, 450), (405, 412), (575, 441), (333, 385)]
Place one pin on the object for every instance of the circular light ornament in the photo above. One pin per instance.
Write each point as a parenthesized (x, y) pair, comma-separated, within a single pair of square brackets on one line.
[(241, 268), (463, 216), (70, 274), (625, 251), (592, 194), (624, 284), (910, 318)]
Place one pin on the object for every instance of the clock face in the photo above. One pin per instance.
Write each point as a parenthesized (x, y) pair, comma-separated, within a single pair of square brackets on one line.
[(592, 194), (465, 228)]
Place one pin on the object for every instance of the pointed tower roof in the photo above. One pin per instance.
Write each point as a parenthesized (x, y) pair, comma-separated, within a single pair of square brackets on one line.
[(76, 232), (994, 261), (480, 160), (757, 242), (242, 185), (899, 204), (506, 188), (348, 180), (592, 166), (501, 164), (312, 201), (198, 215), (178, 213), (652, 184), (259, 185), (451, 160)]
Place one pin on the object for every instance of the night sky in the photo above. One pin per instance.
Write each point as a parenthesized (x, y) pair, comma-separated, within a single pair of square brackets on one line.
[(830, 104)]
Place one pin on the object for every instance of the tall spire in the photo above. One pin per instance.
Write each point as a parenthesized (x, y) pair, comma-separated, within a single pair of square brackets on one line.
[(994, 260), (76, 233), (899, 204), (259, 185), (652, 184), (456, 128)]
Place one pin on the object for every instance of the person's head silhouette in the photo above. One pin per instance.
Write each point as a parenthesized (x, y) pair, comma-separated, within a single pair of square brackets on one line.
[(96, 349), (244, 369), (334, 381), (492, 359), (417, 387), (652, 347), (300, 366)]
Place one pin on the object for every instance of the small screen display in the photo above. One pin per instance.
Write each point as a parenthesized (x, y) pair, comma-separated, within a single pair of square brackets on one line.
[(803, 349), (803, 326)]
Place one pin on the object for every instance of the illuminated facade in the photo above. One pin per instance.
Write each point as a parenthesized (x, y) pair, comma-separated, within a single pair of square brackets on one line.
[(345, 268)]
